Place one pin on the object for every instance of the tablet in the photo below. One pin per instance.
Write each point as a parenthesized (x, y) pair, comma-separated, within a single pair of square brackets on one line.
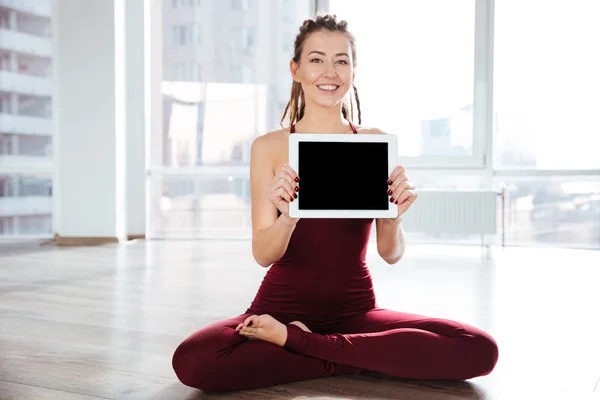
[(343, 175)]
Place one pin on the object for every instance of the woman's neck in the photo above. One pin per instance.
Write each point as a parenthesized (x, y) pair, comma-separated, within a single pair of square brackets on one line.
[(318, 119)]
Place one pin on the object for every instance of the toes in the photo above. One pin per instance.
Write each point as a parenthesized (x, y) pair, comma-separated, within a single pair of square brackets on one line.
[(251, 320)]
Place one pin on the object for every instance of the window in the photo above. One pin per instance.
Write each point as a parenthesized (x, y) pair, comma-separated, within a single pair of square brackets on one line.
[(242, 74), (25, 126), (186, 2), (203, 206), (422, 89), (287, 44), (415, 74), (195, 71), (178, 35), (546, 85), (178, 73), (196, 33), (247, 75), (239, 4), (215, 102), (242, 38), (186, 34), (26, 204), (288, 8), (187, 71), (248, 39), (236, 73), (553, 211)]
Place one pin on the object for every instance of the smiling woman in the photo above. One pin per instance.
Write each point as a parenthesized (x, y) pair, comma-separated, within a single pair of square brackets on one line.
[(315, 313)]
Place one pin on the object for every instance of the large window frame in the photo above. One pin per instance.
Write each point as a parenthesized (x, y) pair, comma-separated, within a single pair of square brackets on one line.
[(477, 162), (480, 163)]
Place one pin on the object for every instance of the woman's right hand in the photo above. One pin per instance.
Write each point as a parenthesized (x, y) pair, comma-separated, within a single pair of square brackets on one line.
[(283, 188)]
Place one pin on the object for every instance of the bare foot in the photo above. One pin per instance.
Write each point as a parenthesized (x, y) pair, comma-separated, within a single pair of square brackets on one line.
[(301, 326), (263, 327)]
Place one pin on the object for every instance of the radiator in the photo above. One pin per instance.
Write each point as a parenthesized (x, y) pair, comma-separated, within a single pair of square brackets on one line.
[(453, 211)]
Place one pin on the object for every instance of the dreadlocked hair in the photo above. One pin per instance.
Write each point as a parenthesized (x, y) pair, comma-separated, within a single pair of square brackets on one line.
[(295, 107)]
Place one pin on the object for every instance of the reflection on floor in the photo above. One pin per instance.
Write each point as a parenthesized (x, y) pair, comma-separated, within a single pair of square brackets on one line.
[(87, 323)]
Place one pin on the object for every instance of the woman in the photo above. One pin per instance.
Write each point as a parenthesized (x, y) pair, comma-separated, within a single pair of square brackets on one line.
[(315, 314)]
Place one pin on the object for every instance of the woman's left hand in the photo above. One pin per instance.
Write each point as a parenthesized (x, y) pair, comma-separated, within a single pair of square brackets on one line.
[(400, 190)]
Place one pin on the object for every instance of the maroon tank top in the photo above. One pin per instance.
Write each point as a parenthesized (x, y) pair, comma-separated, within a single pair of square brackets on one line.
[(323, 275)]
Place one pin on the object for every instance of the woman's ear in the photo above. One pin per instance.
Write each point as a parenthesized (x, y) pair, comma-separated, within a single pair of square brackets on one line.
[(294, 70)]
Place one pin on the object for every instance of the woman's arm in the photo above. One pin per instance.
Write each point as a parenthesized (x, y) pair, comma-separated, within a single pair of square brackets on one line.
[(270, 234), (390, 239), (269, 244), (390, 235)]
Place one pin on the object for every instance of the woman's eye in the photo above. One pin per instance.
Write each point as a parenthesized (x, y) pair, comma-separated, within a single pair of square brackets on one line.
[(343, 61), (315, 60)]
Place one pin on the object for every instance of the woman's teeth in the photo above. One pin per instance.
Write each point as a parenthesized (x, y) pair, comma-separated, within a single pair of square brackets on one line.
[(328, 87)]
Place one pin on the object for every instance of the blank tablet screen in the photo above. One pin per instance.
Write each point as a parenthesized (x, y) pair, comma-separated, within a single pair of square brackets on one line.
[(343, 176)]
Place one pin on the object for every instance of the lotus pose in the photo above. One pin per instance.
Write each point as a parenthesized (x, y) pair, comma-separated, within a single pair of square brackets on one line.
[(315, 314)]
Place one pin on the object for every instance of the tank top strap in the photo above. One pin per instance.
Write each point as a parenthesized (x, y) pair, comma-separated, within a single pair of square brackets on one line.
[(353, 127)]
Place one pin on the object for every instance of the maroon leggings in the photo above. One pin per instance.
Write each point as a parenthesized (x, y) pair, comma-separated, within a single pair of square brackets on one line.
[(216, 358)]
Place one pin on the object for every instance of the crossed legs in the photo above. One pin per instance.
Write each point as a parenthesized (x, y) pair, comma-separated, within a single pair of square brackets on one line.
[(217, 358)]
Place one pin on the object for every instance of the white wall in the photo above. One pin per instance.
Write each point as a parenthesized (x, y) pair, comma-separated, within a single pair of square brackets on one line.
[(135, 110), (98, 119)]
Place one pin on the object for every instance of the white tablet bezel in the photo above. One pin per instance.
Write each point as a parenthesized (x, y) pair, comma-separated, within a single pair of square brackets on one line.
[(296, 138)]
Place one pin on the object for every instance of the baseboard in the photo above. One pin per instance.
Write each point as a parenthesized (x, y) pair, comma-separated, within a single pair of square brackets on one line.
[(136, 237), (83, 241), (88, 241)]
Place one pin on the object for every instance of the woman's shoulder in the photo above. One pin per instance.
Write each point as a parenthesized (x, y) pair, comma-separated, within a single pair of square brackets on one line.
[(270, 142), (368, 129), (272, 138)]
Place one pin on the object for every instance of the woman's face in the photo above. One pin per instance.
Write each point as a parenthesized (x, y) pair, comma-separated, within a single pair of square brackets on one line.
[(325, 70)]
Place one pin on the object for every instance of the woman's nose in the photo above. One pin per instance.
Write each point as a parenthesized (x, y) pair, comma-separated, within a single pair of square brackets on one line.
[(329, 70)]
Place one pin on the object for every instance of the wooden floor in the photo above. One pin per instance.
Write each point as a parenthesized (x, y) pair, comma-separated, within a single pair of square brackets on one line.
[(90, 323)]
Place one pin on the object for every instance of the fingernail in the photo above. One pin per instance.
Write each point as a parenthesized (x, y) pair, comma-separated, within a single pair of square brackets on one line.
[(390, 182), (391, 200), (250, 323), (396, 201), (390, 192), (297, 179), (297, 189), (295, 196)]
